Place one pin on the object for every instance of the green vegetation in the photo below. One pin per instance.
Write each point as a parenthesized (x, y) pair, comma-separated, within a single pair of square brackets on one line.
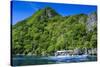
[(46, 32)]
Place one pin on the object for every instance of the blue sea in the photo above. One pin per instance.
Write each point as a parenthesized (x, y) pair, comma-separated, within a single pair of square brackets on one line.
[(35, 60)]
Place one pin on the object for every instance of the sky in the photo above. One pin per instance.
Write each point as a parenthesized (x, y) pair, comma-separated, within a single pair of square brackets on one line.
[(22, 9)]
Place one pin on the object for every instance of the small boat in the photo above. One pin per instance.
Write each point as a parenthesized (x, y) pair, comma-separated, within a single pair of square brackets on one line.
[(66, 55)]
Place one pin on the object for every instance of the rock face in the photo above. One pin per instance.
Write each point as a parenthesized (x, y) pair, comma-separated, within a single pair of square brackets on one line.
[(91, 21), (48, 12), (92, 51)]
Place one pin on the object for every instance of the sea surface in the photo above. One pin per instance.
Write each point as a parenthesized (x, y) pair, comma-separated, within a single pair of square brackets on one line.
[(34, 60)]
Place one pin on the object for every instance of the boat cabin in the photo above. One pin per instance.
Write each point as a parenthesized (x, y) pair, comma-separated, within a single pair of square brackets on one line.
[(64, 53)]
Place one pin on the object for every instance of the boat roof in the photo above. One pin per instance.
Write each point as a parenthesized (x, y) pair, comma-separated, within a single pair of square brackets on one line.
[(61, 51), (65, 51)]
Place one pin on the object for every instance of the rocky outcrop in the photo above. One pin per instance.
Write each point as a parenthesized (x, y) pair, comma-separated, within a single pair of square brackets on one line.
[(91, 21)]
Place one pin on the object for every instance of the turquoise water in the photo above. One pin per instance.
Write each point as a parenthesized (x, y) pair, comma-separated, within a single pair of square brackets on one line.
[(33, 60)]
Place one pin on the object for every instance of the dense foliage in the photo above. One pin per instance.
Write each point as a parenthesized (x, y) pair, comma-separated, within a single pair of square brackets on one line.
[(46, 32)]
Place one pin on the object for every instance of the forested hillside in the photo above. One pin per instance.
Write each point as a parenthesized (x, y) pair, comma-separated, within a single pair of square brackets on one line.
[(46, 31)]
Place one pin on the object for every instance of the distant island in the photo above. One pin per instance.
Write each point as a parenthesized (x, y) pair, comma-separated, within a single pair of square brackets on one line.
[(46, 32)]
